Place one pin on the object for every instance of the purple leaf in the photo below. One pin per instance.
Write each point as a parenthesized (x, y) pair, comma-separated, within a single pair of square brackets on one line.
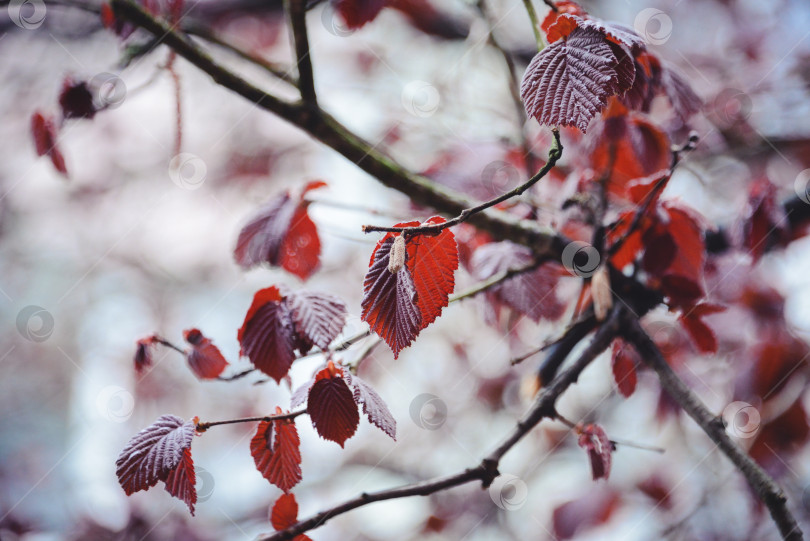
[(374, 407), (568, 82)]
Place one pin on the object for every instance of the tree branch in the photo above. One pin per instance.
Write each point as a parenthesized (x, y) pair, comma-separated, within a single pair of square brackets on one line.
[(554, 154), (543, 241), (297, 16), (765, 487), (202, 427), (487, 471)]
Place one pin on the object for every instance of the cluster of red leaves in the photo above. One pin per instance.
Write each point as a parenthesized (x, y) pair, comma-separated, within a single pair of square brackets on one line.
[(593, 439), (626, 148), (282, 234), (279, 322), (333, 398), (669, 241), (284, 514), (586, 62), (160, 452), (406, 293)]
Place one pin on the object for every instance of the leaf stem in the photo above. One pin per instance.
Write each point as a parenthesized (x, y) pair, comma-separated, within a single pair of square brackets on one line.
[(538, 36)]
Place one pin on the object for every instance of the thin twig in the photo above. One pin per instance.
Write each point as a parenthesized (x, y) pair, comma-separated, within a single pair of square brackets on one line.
[(492, 281), (276, 70), (762, 483), (297, 18), (202, 427), (163, 342), (554, 154)]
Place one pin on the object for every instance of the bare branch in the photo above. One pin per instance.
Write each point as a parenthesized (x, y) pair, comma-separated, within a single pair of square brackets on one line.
[(762, 483), (297, 16), (202, 427), (542, 240)]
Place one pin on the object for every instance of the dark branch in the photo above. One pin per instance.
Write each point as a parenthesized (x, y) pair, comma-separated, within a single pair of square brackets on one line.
[(297, 15), (554, 155), (764, 486), (542, 240)]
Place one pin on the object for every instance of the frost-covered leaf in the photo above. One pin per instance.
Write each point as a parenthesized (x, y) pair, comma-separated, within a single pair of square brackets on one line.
[(318, 317), (204, 358), (568, 82), (374, 407), (275, 450), (153, 453)]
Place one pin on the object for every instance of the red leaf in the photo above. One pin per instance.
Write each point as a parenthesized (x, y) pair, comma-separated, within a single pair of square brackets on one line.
[(357, 13), (389, 300), (593, 439), (76, 100), (44, 131), (684, 101), (531, 293), (204, 358), (275, 449), (374, 407), (432, 261), (282, 234), (568, 82), (285, 512), (152, 454), (681, 291), (301, 248), (624, 363), (567, 24), (332, 408), (593, 509), (764, 220), (318, 318), (267, 336), (182, 480), (701, 333), (143, 354)]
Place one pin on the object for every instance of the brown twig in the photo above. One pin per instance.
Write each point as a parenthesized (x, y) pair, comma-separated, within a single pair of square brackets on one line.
[(765, 487), (554, 154), (297, 18), (202, 427)]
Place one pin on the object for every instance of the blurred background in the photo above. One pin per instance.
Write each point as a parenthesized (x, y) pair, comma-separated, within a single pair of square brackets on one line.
[(128, 246)]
